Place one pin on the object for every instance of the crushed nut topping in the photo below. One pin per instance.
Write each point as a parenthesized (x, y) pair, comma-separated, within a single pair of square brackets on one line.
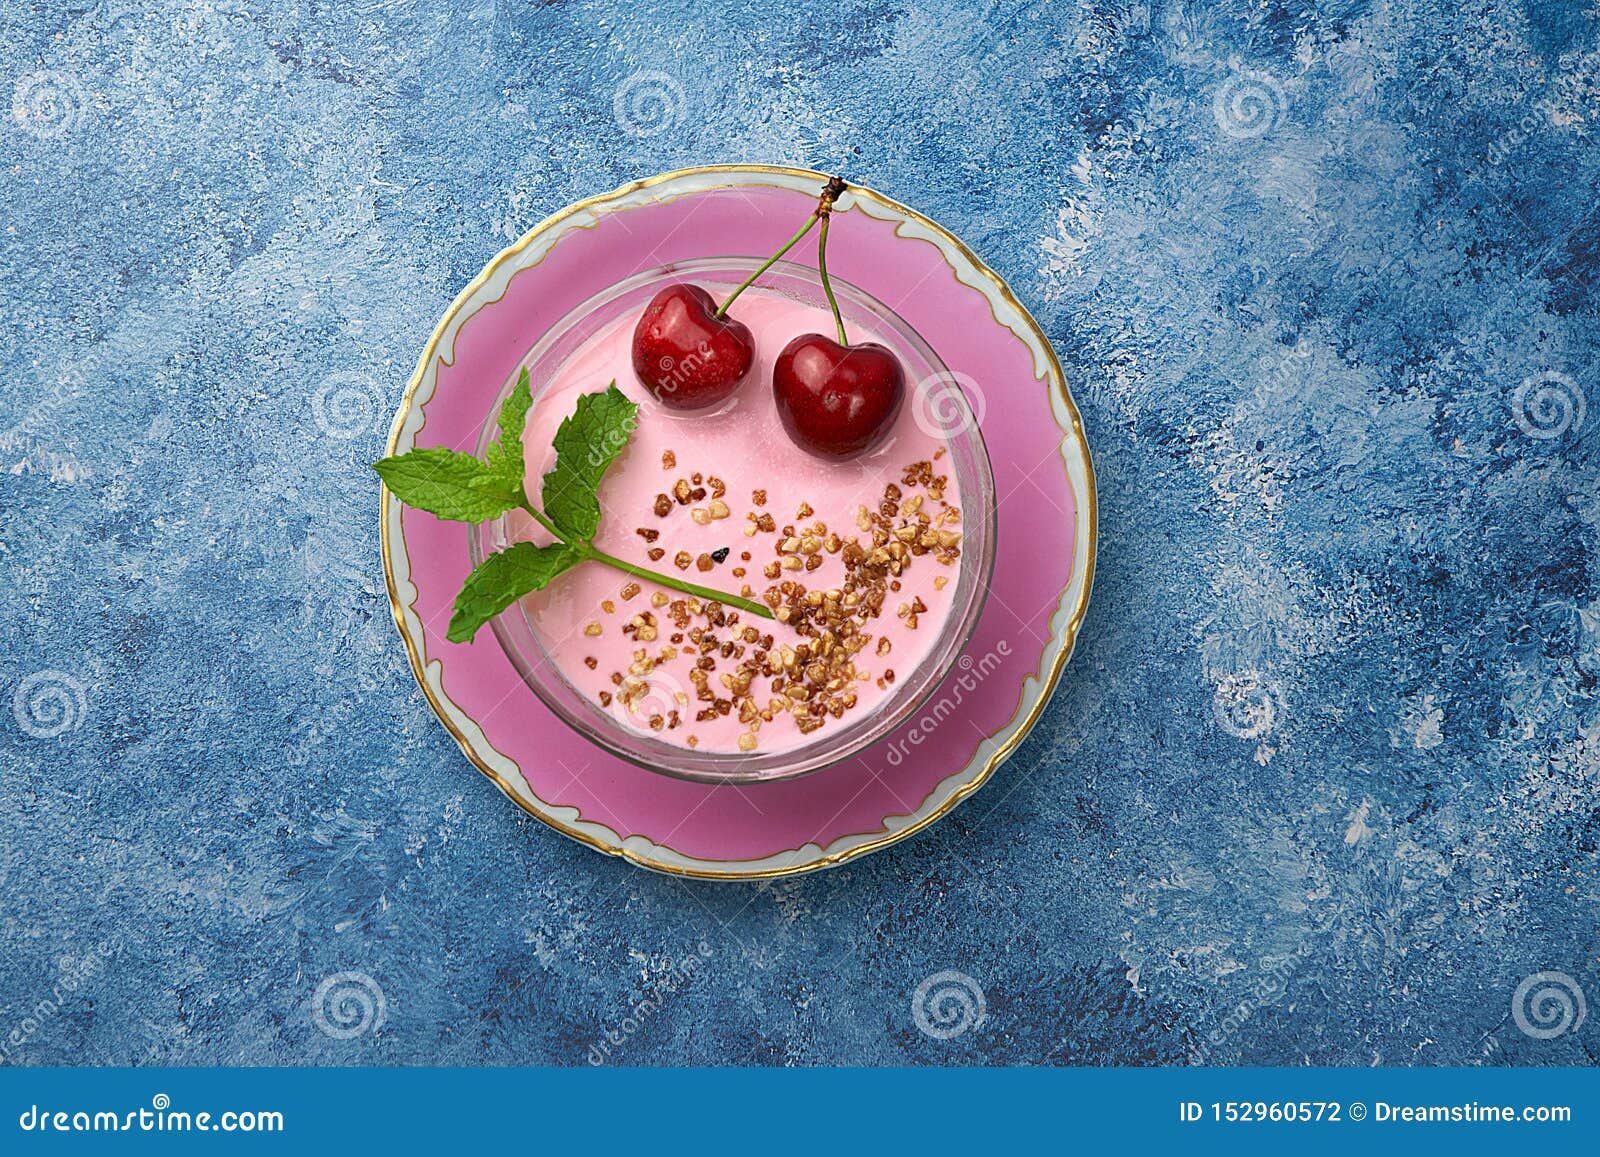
[(737, 669)]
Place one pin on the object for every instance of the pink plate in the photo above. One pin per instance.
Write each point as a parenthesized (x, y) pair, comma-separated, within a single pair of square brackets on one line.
[(1045, 561)]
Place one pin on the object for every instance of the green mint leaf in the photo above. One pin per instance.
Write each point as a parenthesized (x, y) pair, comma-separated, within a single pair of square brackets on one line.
[(505, 456), (502, 579), (449, 484), (586, 444)]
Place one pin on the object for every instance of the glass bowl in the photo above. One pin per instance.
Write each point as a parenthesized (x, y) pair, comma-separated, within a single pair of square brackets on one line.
[(931, 387)]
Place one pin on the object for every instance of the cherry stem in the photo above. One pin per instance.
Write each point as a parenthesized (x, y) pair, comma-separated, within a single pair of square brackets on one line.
[(767, 264), (830, 193), (737, 602), (827, 286), (589, 551)]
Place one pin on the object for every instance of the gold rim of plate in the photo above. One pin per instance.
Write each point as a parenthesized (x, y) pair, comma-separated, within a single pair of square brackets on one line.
[(1073, 437)]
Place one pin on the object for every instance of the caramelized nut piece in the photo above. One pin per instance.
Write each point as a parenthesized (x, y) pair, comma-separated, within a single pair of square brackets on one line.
[(592, 629)]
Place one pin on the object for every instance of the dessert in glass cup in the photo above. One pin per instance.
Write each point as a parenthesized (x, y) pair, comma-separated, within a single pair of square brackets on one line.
[(757, 549)]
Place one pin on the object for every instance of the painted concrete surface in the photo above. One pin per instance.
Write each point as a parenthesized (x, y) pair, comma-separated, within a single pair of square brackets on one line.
[(1319, 785)]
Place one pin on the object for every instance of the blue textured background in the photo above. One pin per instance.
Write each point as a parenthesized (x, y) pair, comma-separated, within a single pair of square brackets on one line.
[(1324, 279)]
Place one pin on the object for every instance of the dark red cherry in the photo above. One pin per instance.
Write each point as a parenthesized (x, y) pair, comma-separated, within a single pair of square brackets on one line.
[(685, 354), (837, 401)]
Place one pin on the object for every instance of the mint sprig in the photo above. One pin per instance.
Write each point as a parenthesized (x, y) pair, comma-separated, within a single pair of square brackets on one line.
[(502, 579), (454, 486), (462, 488)]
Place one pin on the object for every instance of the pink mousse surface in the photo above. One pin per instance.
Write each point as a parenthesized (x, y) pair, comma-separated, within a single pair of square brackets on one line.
[(1033, 565), (742, 443)]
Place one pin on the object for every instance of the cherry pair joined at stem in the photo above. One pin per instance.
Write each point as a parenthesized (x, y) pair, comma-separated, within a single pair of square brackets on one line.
[(835, 399)]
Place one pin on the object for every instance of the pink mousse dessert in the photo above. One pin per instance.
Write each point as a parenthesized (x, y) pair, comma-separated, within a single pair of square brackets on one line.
[(857, 560)]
